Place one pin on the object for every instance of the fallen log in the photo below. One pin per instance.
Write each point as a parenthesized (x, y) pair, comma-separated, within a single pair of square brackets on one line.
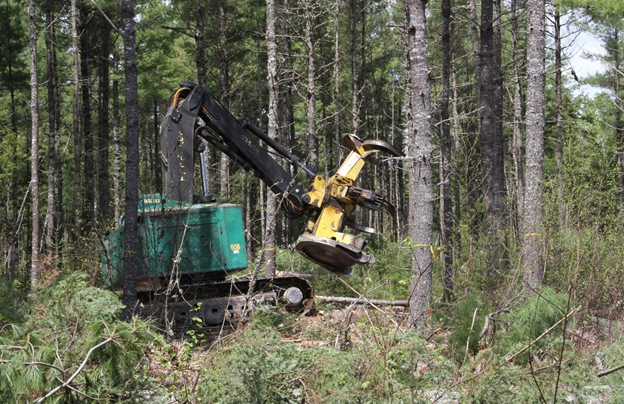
[(359, 300), (609, 371)]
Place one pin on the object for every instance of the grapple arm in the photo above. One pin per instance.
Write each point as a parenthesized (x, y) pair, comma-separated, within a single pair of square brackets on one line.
[(330, 204)]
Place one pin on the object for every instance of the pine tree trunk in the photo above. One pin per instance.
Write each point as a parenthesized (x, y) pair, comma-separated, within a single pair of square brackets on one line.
[(224, 83), (103, 126), (491, 138), (336, 78), (311, 89), (13, 238), (457, 240), (516, 142), (535, 122), (116, 156), (200, 46), (420, 160), (619, 123), (472, 174), (52, 119), (76, 124), (271, 205), (201, 67), (87, 131), (559, 118), (446, 206), (355, 115), (155, 161), (131, 240), (34, 144), (362, 78)]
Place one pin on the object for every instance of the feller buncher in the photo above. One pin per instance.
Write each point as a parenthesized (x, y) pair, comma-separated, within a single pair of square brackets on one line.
[(189, 244)]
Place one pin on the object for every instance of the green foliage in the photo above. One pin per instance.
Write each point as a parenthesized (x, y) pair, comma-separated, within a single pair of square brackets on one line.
[(389, 278), (529, 319), (258, 368), (261, 367), (466, 321), (70, 323), (499, 382), (8, 314)]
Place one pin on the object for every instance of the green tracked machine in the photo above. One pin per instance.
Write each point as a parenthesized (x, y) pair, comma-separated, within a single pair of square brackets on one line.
[(189, 244)]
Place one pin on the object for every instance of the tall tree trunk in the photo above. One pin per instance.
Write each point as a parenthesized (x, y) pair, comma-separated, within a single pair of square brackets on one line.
[(103, 126), (271, 210), (619, 123), (473, 182), (224, 83), (76, 124), (87, 134), (311, 88), (362, 131), (155, 157), (455, 164), (59, 210), (491, 138), (13, 239), (336, 78), (535, 122), (131, 239), (516, 143), (200, 46), (200, 65), (287, 234), (34, 144), (52, 119), (116, 156), (446, 205), (559, 118), (355, 114), (420, 160)]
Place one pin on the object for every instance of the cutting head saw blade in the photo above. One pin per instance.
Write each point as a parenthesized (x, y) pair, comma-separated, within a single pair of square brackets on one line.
[(332, 255)]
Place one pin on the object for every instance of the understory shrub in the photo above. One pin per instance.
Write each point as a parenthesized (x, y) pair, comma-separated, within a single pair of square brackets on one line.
[(72, 330), (529, 319)]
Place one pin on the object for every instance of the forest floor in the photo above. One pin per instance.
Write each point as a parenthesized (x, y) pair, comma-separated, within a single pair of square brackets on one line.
[(377, 336)]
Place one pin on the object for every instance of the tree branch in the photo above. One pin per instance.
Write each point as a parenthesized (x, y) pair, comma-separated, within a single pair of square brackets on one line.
[(112, 24), (512, 357), (72, 377), (609, 371)]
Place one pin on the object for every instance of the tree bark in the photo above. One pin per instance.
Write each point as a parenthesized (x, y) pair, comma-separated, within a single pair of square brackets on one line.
[(516, 143), (87, 133), (355, 114), (311, 88), (615, 49), (116, 156), (420, 160), (200, 65), (535, 122), (76, 124), (34, 144), (13, 238), (224, 83), (131, 240), (52, 119), (559, 118), (336, 78), (446, 205), (200, 47), (491, 137), (271, 205), (103, 126)]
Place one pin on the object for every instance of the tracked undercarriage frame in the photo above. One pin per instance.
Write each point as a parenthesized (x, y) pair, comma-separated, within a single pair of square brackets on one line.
[(217, 305)]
